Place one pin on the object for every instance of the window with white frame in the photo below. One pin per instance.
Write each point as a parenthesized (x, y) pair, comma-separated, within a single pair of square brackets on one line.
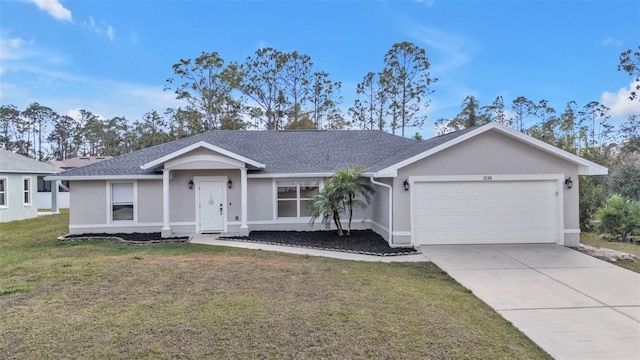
[(27, 190), (293, 198), (122, 202), (3, 192)]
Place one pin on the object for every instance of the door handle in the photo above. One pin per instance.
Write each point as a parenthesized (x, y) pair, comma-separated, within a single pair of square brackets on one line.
[(220, 209)]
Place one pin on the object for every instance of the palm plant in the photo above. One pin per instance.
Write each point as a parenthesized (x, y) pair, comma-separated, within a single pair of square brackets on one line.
[(327, 205), (343, 191)]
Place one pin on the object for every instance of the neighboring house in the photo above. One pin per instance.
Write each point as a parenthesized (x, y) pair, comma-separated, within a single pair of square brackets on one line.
[(43, 198), (487, 184), (18, 183)]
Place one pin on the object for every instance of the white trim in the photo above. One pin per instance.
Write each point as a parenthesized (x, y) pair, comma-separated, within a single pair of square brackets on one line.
[(117, 225), (221, 179), (105, 177), (380, 226), (166, 196), (297, 221), (572, 231), (32, 171), (243, 199), (289, 175), (585, 167), (176, 163), (30, 191), (390, 228), (297, 199), (402, 233), (201, 144), (110, 205), (498, 177), (6, 193), (557, 178)]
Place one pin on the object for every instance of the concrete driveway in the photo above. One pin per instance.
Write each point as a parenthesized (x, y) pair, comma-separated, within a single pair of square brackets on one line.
[(572, 305)]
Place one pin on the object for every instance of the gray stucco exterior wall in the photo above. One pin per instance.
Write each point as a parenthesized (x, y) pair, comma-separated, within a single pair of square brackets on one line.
[(489, 153)]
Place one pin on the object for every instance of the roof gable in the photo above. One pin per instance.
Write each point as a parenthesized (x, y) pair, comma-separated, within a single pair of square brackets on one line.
[(201, 144), (585, 167), (15, 163)]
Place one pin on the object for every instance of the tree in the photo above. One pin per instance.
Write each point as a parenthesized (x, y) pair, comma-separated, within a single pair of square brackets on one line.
[(296, 79), (61, 137), (262, 82), (328, 205), (207, 87), (496, 112), (343, 191), (630, 63), (522, 109), (370, 108), (9, 116), (406, 77), (38, 117), (324, 99), (354, 193), (469, 116)]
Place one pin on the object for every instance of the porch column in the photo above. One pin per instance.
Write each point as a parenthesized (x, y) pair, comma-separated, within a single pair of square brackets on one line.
[(54, 196), (244, 229), (166, 229)]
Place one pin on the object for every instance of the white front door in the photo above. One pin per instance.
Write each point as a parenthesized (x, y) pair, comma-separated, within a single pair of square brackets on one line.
[(211, 205)]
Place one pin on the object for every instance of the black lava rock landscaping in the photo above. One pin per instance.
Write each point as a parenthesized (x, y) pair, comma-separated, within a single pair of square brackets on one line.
[(364, 242), (133, 238)]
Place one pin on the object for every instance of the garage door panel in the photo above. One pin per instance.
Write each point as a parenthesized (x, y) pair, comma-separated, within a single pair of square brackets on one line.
[(485, 212)]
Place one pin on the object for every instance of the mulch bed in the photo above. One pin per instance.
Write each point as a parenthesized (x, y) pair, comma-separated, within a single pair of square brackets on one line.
[(360, 241), (133, 238)]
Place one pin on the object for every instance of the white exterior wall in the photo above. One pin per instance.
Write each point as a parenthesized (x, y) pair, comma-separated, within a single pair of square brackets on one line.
[(15, 209)]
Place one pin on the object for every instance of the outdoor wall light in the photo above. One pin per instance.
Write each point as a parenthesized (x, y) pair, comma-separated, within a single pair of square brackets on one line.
[(406, 185), (190, 184), (229, 184), (568, 183)]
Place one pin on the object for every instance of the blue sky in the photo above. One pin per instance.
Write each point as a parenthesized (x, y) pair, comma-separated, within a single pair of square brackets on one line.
[(112, 57)]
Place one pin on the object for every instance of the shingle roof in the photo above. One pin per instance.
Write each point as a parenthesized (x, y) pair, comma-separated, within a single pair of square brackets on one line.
[(281, 151), (15, 163), (78, 161)]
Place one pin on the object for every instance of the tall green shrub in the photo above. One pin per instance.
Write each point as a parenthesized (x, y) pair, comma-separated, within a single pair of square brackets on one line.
[(619, 219)]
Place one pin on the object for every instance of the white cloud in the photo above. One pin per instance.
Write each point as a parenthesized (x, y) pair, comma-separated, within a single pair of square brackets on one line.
[(427, 3), (451, 51), (619, 102), (610, 41), (54, 8), (133, 37), (101, 28)]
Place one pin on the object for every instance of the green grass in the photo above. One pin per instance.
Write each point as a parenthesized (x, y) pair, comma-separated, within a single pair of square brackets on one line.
[(596, 240), (107, 300)]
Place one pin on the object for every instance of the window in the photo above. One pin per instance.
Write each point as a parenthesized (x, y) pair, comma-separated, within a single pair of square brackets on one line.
[(3, 192), (122, 202), (43, 185), (293, 198), (63, 186), (27, 191)]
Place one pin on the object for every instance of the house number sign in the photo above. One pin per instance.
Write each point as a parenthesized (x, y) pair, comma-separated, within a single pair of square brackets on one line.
[(487, 178)]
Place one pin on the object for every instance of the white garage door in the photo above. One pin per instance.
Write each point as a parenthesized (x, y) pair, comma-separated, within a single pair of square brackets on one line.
[(485, 212)]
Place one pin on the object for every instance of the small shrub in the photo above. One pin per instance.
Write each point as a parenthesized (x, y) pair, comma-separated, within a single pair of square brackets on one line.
[(619, 219)]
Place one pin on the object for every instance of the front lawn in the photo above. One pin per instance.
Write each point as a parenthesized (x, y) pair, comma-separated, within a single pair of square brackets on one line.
[(110, 300), (596, 240)]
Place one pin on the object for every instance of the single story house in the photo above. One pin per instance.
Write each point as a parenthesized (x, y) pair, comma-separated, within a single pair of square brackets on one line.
[(486, 184), (18, 183), (43, 199)]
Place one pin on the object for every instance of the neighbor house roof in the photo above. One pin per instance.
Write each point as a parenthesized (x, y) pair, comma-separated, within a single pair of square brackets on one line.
[(78, 161), (319, 152), (15, 163)]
